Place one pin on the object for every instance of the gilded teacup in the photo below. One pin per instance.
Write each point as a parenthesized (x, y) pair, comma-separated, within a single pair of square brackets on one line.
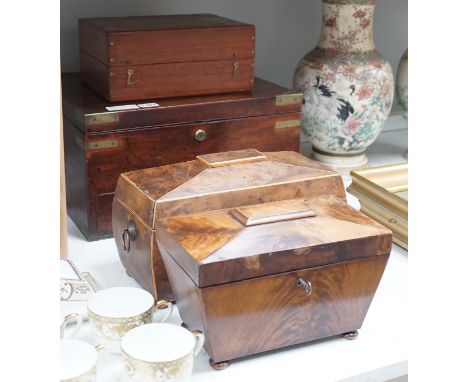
[(114, 311), (78, 361), (160, 352)]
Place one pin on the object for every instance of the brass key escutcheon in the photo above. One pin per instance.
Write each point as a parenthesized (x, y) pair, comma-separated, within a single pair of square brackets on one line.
[(307, 285), (200, 135), (129, 77)]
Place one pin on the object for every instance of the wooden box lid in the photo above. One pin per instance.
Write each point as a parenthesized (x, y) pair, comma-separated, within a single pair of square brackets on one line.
[(224, 180), (234, 244), (144, 40), (232, 216), (86, 110)]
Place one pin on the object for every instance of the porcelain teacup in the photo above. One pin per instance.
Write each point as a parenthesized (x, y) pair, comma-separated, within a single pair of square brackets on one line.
[(78, 361), (160, 352), (114, 311)]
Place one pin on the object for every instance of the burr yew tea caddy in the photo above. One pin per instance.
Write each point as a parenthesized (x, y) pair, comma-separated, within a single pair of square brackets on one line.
[(262, 252), (261, 249)]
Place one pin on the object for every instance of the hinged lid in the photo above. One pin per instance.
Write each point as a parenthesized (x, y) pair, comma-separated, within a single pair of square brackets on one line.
[(224, 180), (234, 244), (145, 40), (88, 112)]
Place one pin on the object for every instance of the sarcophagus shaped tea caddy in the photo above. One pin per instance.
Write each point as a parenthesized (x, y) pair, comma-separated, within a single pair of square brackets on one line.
[(261, 249)]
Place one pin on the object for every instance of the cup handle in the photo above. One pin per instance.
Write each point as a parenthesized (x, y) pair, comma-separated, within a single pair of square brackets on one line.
[(200, 337), (164, 304), (70, 318), (103, 354)]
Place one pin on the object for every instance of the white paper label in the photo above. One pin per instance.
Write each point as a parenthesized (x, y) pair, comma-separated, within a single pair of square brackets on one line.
[(121, 107), (149, 104)]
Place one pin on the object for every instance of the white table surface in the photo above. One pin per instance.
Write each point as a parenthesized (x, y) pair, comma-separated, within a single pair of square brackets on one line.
[(378, 354)]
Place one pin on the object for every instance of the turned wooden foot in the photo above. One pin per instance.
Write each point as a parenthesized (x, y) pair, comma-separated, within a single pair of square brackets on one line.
[(184, 325), (350, 335), (219, 365)]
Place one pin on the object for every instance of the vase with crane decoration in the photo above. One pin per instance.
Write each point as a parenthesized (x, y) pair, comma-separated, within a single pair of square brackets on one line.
[(347, 86)]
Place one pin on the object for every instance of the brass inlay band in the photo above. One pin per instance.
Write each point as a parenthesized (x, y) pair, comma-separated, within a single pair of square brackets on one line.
[(287, 123), (288, 99), (100, 118), (102, 144)]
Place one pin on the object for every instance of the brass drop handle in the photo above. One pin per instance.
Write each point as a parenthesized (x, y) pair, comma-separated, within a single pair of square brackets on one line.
[(129, 77), (128, 235), (200, 135), (235, 68), (300, 283)]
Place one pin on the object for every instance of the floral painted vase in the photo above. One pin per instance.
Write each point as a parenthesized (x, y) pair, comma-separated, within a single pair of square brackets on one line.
[(347, 85), (402, 84)]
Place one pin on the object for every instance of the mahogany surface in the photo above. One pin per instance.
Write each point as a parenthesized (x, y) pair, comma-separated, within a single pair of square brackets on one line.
[(170, 56), (83, 107), (252, 316), (157, 137), (215, 248), (78, 202), (263, 252)]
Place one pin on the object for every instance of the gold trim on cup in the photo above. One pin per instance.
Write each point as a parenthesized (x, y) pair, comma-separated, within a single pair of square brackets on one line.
[(114, 328), (168, 369)]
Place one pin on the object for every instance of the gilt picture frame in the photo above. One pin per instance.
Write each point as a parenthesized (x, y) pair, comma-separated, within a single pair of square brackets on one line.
[(383, 195)]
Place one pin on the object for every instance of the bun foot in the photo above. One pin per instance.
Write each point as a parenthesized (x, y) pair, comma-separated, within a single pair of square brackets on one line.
[(184, 325), (219, 365), (350, 335)]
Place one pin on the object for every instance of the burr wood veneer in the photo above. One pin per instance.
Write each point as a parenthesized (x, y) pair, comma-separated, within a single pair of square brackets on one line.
[(208, 183), (264, 253), (260, 250)]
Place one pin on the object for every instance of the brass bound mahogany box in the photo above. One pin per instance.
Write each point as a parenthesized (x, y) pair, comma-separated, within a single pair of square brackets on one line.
[(101, 144), (261, 249)]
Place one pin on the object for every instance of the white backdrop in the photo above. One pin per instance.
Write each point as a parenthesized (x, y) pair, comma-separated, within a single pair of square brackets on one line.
[(285, 29)]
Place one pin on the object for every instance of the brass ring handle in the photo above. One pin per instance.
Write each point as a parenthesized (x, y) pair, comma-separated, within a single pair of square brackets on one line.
[(307, 285), (200, 135), (128, 235)]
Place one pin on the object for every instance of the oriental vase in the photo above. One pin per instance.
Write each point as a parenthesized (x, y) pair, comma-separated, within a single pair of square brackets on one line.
[(347, 86), (402, 84)]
